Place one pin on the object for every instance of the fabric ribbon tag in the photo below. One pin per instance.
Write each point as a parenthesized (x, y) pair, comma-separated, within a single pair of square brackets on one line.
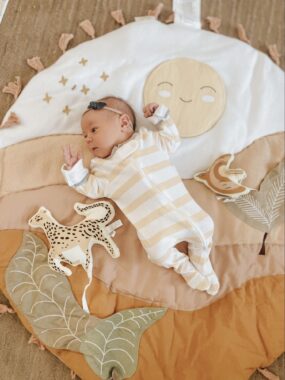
[(187, 12), (113, 226)]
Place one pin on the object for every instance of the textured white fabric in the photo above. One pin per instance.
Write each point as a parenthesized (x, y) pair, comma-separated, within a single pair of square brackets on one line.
[(187, 12), (254, 86)]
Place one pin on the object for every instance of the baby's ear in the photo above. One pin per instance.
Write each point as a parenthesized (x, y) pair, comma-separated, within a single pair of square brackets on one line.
[(125, 121)]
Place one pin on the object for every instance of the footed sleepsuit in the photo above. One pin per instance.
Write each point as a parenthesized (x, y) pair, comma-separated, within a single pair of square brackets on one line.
[(140, 179)]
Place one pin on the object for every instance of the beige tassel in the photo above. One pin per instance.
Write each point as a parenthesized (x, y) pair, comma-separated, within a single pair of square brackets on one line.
[(118, 16), (88, 28), (156, 12), (267, 374), (35, 63), (13, 88), (36, 341), (64, 40), (242, 34), (170, 19), (274, 53), (72, 374), (13, 119), (214, 23), (5, 309)]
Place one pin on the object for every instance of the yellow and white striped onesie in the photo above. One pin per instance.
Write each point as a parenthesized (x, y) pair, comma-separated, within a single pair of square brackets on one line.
[(140, 179)]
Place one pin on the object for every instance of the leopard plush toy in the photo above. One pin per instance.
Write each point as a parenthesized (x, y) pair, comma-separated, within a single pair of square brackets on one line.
[(73, 244)]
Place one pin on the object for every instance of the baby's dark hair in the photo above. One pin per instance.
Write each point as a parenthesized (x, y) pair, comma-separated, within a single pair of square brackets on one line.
[(121, 105)]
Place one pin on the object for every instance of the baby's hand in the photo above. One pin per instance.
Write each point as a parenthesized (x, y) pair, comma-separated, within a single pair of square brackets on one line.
[(70, 158), (150, 109)]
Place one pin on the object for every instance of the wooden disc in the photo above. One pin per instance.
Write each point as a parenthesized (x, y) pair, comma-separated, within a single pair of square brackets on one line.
[(193, 92)]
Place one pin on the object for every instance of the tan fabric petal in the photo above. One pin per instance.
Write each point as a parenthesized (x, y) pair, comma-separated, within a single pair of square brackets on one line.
[(267, 374), (37, 342), (242, 34), (170, 18), (64, 39), (35, 63), (274, 53), (214, 23), (5, 309), (156, 11), (13, 119), (88, 28), (13, 88), (118, 16)]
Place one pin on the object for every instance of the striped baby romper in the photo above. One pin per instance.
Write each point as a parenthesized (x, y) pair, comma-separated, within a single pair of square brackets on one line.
[(140, 179)]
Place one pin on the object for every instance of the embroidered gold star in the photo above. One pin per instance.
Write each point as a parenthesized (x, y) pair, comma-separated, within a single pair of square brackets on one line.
[(85, 89), (104, 76), (63, 80), (47, 98), (83, 61), (66, 110)]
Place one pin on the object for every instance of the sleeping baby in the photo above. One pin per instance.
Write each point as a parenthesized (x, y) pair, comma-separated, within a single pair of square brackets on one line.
[(133, 169)]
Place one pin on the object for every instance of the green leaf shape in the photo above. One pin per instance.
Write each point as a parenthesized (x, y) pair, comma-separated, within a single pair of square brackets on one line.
[(46, 299), (117, 341), (263, 209)]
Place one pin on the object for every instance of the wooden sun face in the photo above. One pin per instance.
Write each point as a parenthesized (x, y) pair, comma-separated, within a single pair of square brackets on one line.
[(193, 92)]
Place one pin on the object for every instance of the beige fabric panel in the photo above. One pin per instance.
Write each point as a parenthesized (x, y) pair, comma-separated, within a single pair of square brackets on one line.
[(36, 163), (237, 243)]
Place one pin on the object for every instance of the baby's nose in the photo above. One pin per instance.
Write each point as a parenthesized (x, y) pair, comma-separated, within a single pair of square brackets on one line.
[(88, 139)]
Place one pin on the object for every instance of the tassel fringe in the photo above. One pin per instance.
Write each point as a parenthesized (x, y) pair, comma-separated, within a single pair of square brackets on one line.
[(13, 119), (13, 88), (118, 16), (35, 63), (170, 19), (156, 12), (5, 309), (267, 374), (64, 39), (274, 53), (36, 341), (242, 34), (88, 28), (214, 23)]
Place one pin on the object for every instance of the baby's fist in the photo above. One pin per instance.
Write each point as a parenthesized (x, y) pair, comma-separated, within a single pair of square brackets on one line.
[(70, 157), (150, 109)]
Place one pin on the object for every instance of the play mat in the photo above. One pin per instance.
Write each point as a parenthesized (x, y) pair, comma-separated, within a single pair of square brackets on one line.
[(113, 314)]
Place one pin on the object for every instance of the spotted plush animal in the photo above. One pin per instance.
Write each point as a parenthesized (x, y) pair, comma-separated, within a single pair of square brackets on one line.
[(73, 244)]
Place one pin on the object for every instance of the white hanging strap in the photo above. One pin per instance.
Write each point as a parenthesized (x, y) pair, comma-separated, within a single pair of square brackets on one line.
[(187, 12), (3, 6), (112, 227)]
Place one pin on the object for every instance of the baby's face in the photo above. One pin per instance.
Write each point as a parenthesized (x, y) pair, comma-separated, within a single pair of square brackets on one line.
[(102, 131)]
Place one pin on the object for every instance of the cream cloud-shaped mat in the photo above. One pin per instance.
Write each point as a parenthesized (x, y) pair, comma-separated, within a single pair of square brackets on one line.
[(54, 99)]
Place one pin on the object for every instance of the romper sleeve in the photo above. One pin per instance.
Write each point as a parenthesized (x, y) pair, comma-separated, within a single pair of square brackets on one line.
[(167, 136), (83, 181)]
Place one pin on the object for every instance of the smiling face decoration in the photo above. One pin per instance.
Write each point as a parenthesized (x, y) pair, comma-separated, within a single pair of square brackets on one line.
[(193, 92)]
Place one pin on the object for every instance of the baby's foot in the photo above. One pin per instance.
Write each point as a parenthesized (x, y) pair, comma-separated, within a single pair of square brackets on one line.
[(196, 281), (214, 284)]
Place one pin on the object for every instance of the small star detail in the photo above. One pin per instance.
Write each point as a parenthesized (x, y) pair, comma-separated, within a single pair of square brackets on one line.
[(104, 76), (66, 110), (83, 61), (85, 89), (47, 98), (63, 80)]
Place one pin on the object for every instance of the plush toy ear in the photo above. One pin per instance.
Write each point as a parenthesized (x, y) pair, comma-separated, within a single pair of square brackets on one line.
[(102, 212)]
